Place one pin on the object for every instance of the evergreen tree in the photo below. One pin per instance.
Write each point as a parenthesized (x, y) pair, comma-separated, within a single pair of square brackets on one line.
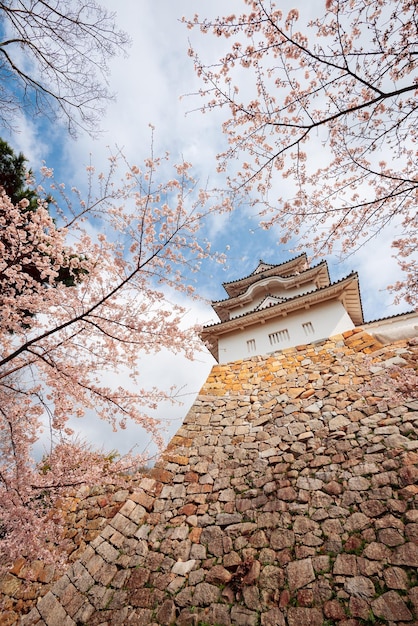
[(13, 175)]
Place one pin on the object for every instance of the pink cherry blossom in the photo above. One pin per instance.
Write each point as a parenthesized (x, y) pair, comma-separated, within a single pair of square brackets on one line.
[(319, 104), (124, 247)]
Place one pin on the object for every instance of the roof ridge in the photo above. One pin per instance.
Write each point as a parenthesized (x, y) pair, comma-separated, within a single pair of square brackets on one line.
[(214, 302), (237, 280)]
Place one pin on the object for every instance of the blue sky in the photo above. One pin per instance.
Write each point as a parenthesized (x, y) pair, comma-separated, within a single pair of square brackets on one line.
[(151, 85)]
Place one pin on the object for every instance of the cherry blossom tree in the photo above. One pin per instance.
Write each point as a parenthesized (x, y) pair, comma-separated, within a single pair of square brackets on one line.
[(54, 60), (13, 179), (329, 104), (126, 244)]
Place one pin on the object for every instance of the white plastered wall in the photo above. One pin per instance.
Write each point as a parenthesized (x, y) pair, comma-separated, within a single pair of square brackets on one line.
[(313, 324), (390, 330)]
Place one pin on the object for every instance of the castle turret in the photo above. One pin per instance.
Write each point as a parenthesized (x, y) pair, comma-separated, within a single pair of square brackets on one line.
[(280, 306)]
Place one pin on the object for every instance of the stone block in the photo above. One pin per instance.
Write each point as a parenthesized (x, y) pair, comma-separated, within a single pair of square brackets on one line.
[(300, 573)]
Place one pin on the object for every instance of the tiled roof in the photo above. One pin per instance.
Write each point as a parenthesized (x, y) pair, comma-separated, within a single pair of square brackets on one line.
[(390, 317), (237, 280), (313, 267), (287, 301)]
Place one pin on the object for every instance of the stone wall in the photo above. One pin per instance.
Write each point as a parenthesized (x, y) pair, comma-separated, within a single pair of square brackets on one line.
[(288, 497), (86, 511)]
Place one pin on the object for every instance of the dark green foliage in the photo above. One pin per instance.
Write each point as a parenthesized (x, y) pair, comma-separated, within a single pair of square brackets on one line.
[(13, 176)]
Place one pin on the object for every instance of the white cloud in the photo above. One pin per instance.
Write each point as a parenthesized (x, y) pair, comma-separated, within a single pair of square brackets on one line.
[(163, 370)]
